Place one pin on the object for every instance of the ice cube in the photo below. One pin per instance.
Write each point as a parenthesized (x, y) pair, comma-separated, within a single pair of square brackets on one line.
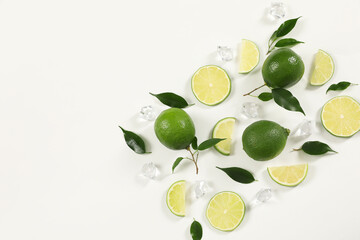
[(147, 113), (263, 195), (250, 110), (149, 170), (277, 10), (225, 53), (201, 188), (302, 130)]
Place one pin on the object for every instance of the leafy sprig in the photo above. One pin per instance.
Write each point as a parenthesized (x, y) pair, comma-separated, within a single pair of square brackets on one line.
[(283, 30), (194, 151), (172, 100), (315, 148), (340, 86)]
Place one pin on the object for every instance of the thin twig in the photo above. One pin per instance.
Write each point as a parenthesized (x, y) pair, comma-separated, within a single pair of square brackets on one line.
[(246, 94)]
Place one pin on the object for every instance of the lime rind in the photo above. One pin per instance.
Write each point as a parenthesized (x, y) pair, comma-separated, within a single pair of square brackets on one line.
[(322, 121), (289, 185), (333, 69), (214, 132), (221, 100), (167, 198), (258, 56), (240, 221)]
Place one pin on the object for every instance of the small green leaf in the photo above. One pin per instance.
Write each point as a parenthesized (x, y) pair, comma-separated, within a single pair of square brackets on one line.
[(171, 100), (339, 86), (196, 230), (285, 99), (209, 143), (316, 148), (134, 141), (272, 38), (265, 96), (194, 143), (177, 161), (287, 42), (238, 174), (286, 27)]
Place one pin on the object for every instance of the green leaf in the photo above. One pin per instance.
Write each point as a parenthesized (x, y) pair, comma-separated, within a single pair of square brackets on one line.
[(238, 174), (272, 38), (134, 141), (171, 100), (339, 86), (196, 230), (194, 143), (286, 27), (316, 148), (209, 143), (287, 42), (285, 99), (177, 161), (265, 96)]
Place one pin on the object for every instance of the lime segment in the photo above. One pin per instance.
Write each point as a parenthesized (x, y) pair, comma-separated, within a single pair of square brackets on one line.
[(323, 68), (224, 129), (249, 56), (288, 175), (341, 116), (175, 198), (211, 85), (225, 211)]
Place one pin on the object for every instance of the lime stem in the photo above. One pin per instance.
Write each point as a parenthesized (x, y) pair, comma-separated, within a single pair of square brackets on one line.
[(194, 159), (296, 149), (246, 94)]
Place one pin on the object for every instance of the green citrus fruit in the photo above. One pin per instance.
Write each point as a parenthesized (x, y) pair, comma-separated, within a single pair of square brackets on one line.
[(282, 68), (174, 128), (263, 140)]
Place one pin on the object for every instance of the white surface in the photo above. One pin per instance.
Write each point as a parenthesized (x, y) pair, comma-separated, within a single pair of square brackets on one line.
[(72, 70)]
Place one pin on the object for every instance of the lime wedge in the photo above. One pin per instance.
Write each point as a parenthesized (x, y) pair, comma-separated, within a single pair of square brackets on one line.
[(249, 56), (211, 85), (340, 116), (224, 129), (323, 68), (175, 198), (225, 211), (289, 176)]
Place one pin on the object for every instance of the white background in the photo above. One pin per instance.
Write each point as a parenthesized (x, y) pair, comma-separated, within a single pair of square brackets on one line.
[(71, 71)]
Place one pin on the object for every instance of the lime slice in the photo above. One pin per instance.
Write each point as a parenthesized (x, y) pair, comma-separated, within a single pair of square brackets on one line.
[(211, 85), (175, 198), (224, 129), (323, 68), (340, 116), (249, 56), (225, 211), (288, 175)]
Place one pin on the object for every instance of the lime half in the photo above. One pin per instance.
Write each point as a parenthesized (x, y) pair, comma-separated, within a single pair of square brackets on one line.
[(289, 176), (175, 198), (224, 129), (225, 211), (323, 68), (340, 116), (249, 56), (211, 85)]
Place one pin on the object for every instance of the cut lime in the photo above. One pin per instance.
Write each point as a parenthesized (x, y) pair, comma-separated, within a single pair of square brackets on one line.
[(289, 176), (211, 85), (323, 68), (225, 211), (249, 56), (340, 116), (175, 198), (224, 129)]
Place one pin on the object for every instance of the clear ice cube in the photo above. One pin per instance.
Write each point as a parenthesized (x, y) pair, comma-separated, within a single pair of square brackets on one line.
[(302, 130), (250, 110), (263, 195), (225, 53), (277, 10), (149, 170), (201, 188), (147, 113)]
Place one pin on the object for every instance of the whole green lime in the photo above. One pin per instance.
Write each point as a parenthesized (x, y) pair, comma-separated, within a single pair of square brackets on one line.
[(263, 140), (282, 68), (174, 128)]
